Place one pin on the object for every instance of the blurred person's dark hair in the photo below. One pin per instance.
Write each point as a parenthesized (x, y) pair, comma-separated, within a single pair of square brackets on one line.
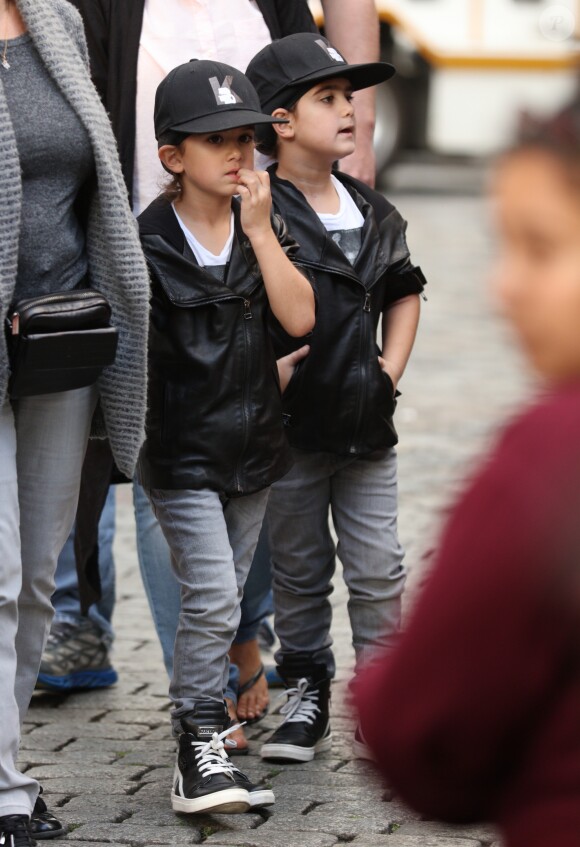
[(559, 135)]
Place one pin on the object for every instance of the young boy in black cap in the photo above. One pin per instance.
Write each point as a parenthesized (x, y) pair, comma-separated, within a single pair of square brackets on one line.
[(215, 439), (340, 400)]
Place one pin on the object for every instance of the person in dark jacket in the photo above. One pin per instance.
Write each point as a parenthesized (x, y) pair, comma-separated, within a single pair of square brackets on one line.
[(474, 716), (339, 403), (215, 440)]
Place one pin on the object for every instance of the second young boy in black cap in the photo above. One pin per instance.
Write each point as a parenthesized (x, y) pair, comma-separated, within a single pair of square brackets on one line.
[(215, 440), (340, 399)]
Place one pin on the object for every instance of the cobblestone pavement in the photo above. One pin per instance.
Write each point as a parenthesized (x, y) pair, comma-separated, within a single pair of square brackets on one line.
[(105, 758)]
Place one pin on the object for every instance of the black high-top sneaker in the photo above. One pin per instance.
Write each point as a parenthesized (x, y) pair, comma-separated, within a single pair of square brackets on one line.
[(204, 777), (15, 831), (305, 730), (258, 794)]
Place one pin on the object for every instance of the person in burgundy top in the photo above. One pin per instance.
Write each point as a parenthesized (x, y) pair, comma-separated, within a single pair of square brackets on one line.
[(476, 714)]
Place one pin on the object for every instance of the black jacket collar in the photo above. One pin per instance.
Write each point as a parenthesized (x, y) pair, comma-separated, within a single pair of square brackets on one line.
[(166, 247), (317, 249)]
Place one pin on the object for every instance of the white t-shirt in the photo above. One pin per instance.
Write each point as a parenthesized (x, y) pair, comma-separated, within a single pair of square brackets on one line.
[(346, 225), (216, 265), (173, 32)]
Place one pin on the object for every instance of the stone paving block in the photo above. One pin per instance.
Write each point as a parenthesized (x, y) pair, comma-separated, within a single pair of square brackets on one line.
[(52, 757), (57, 739), (480, 832), (321, 763), (149, 718), (159, 771), (397, 840), (154, 814), (287, 805), (41, 713), (322, 819), (71, 842), (362, 816), (111, 699), (323, 778), (225, 823), (111, 746), (151, 791), (260, 839), (158, 754), (359, 766), (325, 794), (89, 786), (55, 801), (161, 732), (138, 836), (156, 686), (77, 769), (103, 729), (82, 810)]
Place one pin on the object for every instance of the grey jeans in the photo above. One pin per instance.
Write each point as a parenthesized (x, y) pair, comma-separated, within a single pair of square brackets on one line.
[(212, 543), (42, 445), (362, 495)]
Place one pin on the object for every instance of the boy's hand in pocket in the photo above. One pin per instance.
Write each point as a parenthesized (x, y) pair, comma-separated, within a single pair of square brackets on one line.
[(287, 364), (389, 369)]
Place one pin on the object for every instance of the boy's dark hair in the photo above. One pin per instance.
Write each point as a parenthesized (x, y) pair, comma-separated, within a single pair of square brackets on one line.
[(172, 188), (266, 136), (266, 141), (172, 137)]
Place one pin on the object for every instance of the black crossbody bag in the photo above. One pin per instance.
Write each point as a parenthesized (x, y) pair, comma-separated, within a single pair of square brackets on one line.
[(58, 342)]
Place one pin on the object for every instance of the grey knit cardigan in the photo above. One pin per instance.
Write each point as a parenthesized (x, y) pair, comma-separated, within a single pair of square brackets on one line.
[(116, 263)]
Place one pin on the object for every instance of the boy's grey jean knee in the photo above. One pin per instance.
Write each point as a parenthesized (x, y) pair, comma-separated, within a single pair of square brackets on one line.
[(361, 493), (212, 543), (42, 445)]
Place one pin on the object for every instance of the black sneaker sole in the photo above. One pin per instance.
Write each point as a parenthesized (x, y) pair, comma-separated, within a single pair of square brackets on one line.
[(293, 752), (46, 836)]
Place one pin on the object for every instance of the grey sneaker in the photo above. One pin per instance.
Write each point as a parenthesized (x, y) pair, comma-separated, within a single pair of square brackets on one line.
[(75, 657)]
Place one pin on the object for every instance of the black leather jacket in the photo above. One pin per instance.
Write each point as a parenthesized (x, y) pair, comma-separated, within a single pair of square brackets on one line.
[(339, 400), (215, 412)]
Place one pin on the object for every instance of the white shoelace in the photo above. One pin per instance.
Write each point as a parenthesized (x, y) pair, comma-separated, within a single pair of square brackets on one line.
[(301, 705), (211, 755)]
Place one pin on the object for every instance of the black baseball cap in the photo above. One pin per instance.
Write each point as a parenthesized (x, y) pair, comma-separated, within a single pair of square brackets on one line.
[(205, 96), (300, 61)]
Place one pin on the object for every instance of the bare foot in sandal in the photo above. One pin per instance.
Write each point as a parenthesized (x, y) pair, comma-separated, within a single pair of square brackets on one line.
[(253, 697), (238, 736)]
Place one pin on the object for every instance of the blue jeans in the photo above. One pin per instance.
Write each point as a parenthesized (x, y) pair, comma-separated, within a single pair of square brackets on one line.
[(361, 493), (42, 446), (257, 602), (212, 544), (66, 599)]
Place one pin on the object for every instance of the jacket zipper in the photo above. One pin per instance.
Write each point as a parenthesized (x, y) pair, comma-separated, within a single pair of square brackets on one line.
[(362, 372), (245, 414)]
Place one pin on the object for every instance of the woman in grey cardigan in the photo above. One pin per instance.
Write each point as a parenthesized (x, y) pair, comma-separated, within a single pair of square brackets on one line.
[(64, 220)]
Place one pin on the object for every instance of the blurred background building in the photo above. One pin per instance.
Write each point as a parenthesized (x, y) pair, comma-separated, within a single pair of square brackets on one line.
[(466, 68)]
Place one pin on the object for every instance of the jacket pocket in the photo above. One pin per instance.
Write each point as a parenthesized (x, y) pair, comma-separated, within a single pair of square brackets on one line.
[(296, 379), (387, 402)]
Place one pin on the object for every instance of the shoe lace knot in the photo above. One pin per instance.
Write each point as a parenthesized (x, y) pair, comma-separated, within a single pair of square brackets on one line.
[(301, 703), (211, 755)]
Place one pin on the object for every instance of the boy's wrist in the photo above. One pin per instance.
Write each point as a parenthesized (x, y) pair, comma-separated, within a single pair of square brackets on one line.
[(261, 237)]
